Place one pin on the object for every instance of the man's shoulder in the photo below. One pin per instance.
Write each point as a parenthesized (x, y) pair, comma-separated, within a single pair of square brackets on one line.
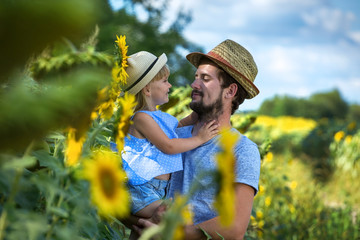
[(244, 144), (242, 139)]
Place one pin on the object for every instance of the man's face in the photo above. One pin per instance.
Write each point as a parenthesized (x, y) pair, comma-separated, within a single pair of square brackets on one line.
[(207, 92)]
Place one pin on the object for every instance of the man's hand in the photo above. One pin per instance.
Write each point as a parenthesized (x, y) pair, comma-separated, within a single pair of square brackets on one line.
[(158, 213), (139, 224), (142, 225)]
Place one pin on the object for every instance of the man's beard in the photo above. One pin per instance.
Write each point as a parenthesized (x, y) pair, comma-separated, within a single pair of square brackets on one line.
[(207, 113)]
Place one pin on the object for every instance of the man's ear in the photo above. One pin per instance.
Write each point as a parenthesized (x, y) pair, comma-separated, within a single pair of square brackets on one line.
[(231, 90)]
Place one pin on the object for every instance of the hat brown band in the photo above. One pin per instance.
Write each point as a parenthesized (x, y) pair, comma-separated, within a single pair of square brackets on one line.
[(219, 58), (142, 76)]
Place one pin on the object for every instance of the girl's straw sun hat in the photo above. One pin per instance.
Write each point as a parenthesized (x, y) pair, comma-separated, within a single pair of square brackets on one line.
[(233, 59), (142, 68)]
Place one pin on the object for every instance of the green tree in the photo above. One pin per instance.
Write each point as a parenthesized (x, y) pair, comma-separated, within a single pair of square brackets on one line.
[(319, 105), (328, 105), (150, 35), (354, 113)]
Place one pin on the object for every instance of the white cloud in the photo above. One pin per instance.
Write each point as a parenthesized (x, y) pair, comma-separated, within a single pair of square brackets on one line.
[(329, 20), (355, 36), (300, 46), (277, 6)]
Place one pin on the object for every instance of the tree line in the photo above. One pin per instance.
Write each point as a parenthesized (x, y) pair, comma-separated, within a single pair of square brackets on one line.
[(320, 105)]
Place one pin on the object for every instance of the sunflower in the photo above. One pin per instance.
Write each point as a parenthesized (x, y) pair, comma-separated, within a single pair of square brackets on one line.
[(107, 183), (106, 109), (339, 136), (225, 199), (127, 103), (118, 72), (108, 97), (73, 148)]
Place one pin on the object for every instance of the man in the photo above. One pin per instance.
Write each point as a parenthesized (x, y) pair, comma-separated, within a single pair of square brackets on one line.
[(223, 79)]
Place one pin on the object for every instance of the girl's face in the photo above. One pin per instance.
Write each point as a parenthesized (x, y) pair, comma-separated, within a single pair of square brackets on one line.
[(159, 91)]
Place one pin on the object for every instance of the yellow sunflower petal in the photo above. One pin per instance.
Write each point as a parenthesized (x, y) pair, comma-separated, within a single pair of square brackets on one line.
[(107, 183), (119, 74), (73, 148), (127, 104)]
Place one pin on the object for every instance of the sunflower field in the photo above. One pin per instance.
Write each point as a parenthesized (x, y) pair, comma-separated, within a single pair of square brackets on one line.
[(303, 195), (60, 109)]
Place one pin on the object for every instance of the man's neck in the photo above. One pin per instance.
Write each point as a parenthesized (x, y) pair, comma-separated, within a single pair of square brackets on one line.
[(223, 121)]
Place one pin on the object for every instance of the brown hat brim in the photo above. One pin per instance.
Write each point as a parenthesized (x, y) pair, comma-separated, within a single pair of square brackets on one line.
[(195, 58)]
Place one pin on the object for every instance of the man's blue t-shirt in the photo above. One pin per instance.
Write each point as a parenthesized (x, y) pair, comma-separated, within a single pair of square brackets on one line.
[(202, 159)]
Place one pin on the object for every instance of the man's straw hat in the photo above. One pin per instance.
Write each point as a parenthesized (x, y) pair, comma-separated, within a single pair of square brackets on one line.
[(233, 59), (142, 68)]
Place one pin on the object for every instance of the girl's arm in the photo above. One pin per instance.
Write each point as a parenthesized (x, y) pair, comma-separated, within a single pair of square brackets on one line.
[(188, 120), (147, 126)]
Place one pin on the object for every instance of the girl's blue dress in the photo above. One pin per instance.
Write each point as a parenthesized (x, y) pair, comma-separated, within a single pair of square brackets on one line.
[(142, 161)]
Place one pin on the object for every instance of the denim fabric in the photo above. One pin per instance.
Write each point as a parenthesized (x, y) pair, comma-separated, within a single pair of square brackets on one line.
[(144, 194)]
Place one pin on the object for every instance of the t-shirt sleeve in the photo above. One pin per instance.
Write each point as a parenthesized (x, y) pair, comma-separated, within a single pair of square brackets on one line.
[(248, 163)]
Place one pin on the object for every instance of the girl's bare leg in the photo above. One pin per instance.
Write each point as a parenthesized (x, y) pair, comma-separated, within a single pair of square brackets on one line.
[(148, 211)]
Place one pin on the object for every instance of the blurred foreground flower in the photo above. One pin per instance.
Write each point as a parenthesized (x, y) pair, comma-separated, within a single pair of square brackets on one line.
[(73, 148), (172, 224), (224, 202), (107, 183), (186, 216)]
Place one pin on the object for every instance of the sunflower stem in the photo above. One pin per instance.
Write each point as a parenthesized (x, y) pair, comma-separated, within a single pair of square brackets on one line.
[(56, 147), (93, 134), (3, 224), (14, 189), (54, 217)]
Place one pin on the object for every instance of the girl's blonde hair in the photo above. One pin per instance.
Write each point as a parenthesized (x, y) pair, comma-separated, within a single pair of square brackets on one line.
[(140, 98)]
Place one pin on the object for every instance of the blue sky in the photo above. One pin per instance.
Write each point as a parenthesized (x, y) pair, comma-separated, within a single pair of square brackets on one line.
[(301, 47)]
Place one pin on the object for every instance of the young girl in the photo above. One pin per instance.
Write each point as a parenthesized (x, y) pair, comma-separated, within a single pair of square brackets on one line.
[(152, 148)]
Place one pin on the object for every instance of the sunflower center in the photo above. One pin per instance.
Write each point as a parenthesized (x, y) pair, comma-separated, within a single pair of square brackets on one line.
[(108, 182)]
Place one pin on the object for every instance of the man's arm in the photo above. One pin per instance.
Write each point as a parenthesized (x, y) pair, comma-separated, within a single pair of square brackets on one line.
[(244, 196)]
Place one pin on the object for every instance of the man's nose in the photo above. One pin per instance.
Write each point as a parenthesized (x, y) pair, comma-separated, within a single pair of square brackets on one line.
[(195, 84)]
